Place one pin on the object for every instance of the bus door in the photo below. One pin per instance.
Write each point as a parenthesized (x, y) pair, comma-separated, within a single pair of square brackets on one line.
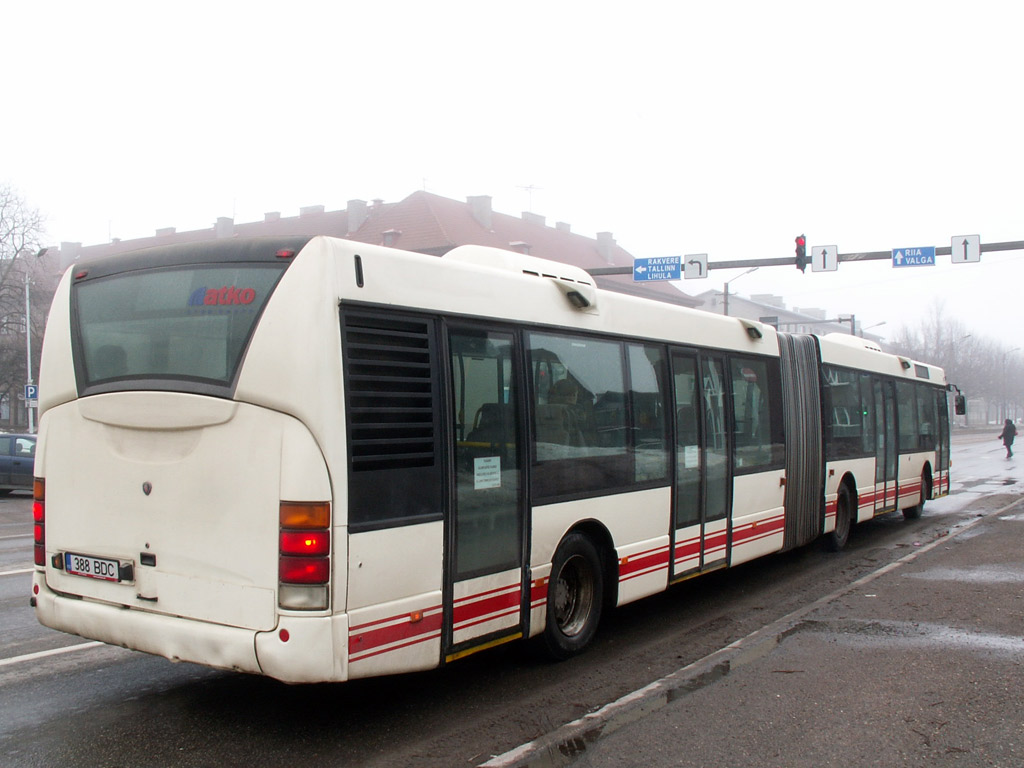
[(703, 476), (940, 485), (885, 446), (485, 561)]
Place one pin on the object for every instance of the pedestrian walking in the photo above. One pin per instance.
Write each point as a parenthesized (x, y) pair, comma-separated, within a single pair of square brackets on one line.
[(1009, 432)]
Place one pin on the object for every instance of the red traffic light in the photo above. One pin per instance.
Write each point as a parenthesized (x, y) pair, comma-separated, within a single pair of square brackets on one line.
[(801, 252)]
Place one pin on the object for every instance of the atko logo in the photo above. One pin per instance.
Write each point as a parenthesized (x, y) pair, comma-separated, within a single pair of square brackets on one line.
[(219, 297)]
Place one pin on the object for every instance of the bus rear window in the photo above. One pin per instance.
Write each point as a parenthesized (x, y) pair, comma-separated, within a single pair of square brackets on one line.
[(183, 328)]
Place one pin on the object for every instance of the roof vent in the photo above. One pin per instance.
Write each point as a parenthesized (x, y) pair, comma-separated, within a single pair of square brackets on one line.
[(754, 329), (574, 282)]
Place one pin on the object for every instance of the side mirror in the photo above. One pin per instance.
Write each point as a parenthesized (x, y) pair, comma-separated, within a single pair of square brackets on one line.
[(960, 405)]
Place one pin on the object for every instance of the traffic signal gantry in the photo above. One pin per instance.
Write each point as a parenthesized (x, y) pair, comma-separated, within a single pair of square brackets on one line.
[(963, 249)]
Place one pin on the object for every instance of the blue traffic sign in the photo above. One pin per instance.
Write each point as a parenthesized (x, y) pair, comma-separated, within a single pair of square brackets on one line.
[(658, 268), (31, 391), (914, 257)]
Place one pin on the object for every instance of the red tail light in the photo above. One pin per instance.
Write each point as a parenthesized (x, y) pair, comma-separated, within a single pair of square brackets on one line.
[(304, 563), (304, 570), (39, 520), (305, 542)]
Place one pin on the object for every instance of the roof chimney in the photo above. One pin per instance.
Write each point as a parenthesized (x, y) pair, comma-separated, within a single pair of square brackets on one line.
[(225, 227), (533, 218), (357, 214), (271, 216), (606, 246), (166, 231), (561, 226), (310, 210), (480, 207)]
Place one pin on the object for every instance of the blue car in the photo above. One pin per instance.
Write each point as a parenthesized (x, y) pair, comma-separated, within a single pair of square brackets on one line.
[(17, 462)]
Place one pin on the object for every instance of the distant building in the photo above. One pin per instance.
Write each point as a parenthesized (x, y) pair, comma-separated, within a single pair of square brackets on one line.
[(425, 223), (772, 310)]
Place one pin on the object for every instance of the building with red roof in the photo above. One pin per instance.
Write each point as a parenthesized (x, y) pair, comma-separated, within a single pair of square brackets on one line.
[(425, 223)]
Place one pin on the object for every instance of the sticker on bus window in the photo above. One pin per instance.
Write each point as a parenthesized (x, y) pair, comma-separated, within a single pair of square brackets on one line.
[(227, 295), (487, 473), (691, 456)]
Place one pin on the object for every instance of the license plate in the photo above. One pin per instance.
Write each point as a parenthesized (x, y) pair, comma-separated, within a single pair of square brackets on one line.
[(93, 567)]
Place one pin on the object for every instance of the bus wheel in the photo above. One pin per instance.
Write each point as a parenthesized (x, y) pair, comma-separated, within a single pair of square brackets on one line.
[(914, 512), (575, 596), (836, 540)]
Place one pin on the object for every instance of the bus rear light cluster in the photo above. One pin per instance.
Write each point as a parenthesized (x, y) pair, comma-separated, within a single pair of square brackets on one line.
[(39, 520), (304, 562)]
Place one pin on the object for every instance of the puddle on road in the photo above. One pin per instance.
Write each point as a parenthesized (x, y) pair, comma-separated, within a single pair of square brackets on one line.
[(1013, 518), (915, 635), (980, 574)]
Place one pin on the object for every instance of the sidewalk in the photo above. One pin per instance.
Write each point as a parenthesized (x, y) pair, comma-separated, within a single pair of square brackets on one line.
[(918, 664)]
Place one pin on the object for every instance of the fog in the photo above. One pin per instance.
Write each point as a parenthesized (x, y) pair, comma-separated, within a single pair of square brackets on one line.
[(725, 129)]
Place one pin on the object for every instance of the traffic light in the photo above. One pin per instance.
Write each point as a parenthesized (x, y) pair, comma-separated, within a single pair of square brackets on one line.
[(801, 252)]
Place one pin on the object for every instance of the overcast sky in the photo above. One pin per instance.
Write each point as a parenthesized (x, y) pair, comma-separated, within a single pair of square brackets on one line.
[(681, 127)]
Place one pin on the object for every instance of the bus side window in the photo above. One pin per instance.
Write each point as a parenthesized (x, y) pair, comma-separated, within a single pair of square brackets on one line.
[(647, 400), (844, 435), (757, 414), (580, 419), (906, 416), (926, 419)]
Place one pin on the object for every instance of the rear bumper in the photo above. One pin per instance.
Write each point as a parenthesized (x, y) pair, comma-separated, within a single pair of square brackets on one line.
[(307, 655)]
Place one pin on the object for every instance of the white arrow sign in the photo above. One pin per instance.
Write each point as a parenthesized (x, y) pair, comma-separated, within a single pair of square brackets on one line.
[(824, 258), (965, 248), (695, 265)]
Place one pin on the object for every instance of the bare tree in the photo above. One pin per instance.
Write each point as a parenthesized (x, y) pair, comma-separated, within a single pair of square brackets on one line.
[(21, 229), (984, 369)]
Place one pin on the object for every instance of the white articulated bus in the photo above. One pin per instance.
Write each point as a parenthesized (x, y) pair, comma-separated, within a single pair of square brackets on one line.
[(319, 460)]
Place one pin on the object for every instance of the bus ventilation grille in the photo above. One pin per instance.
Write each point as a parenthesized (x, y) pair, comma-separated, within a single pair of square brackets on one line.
[(390, 393)]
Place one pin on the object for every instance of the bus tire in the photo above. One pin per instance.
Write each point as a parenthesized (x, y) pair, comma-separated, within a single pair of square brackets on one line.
[(575, 597), (914, 512), (835, 540)]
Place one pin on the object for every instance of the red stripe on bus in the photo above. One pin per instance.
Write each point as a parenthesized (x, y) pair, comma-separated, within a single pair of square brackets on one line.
[(363, 655), (494, 604), (743, 534), (688, 549), (716, 540), (402, 629), (643, 563), (538, 592)]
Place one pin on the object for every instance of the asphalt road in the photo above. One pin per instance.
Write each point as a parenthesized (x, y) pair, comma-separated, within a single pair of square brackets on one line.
[(67, 702)]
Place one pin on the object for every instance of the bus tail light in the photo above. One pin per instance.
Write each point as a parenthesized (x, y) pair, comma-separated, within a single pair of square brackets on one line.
[(39, 520), (304, 548), (304, 570)]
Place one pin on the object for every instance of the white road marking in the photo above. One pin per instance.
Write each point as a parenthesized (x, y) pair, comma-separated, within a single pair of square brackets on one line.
[(44, 654)]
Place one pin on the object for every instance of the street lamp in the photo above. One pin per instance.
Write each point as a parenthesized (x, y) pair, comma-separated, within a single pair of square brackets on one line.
[(28, 353), (1006, 407), (725, 292), (28, 340), (871, 326)]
